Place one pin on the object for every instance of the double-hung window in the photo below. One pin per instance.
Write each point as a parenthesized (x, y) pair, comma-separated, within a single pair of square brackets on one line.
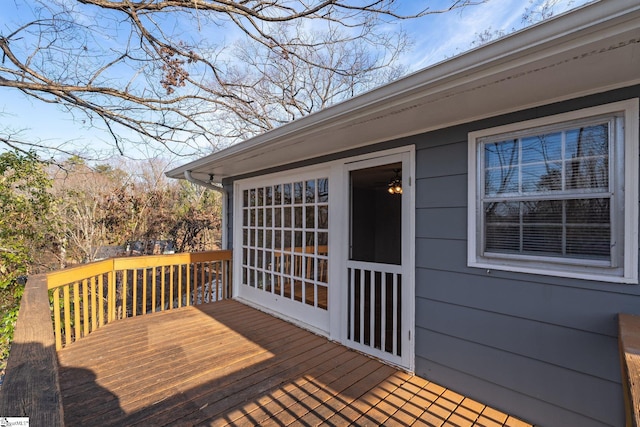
[(557, 195)]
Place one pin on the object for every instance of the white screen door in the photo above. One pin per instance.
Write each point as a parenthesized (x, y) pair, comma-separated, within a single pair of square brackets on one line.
[(378, 292)]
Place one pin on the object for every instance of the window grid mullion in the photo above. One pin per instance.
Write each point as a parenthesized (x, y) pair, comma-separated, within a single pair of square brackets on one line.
[(563, 182), (520, 204)]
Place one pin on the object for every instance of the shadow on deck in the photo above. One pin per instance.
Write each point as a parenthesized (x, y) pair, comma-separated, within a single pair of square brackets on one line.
[(228, 364)]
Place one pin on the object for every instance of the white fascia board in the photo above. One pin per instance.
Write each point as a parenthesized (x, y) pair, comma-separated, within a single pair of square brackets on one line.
[(561, 34)]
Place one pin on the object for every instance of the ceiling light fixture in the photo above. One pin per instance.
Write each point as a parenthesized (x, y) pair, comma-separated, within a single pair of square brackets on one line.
[(395, 185)]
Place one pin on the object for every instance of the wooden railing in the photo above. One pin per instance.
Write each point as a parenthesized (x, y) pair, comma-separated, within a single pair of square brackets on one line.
[(30, 387), (629, 341), (86, 297)]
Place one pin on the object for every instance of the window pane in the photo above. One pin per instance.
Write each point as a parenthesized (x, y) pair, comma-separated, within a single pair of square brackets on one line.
[(268, 196), (542, 212), (322, 297), (277, 194), (589, 242), (298, 216), (310, 216), (310, 191), (501, 181), (589, 228), (323, 190), (278, 240), (502, 213), (501, 154), (323, 240), (298, 190), (542, 239), (502, 238), (587, 154), (268, 219), (542, 177), (286, 214), (323, 217), (321, 274), (310, 268), (589, 141), (309, 241), (542, 148), (588, 173), (277, 219), (588, 211), (286, 190), (260, 197)]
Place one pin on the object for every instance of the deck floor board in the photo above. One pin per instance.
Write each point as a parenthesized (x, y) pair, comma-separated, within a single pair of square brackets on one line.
[(228, 364)]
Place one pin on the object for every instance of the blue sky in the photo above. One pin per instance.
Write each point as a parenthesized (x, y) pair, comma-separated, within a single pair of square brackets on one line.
[(435, 37)]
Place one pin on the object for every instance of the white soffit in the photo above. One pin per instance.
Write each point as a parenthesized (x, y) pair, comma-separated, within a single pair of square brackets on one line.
[(592, 49)]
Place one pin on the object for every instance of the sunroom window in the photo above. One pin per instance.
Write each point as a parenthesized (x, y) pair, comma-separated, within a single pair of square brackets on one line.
[(550, 198), (285, 233)]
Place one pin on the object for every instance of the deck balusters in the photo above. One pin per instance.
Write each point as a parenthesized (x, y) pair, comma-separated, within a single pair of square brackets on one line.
[(86, 297)]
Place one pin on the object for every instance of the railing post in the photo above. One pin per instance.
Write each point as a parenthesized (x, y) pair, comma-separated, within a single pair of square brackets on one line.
[(111, 297), (188, 286)]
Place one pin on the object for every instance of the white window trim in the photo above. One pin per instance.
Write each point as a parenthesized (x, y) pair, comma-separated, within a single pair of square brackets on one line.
[(630, 110)]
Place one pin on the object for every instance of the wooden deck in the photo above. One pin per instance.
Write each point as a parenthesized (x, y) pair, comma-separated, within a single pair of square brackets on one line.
[(228, 364)]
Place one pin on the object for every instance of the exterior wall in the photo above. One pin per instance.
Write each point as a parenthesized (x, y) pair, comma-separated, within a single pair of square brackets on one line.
[(228, 212), (542, 348), (539, 347)]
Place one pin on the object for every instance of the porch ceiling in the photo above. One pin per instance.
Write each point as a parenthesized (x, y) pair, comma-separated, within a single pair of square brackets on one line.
[(587, 51)]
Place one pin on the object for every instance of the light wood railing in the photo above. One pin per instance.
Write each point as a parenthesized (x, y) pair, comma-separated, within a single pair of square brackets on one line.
[(86, 297), (629, 343), (30, 387)]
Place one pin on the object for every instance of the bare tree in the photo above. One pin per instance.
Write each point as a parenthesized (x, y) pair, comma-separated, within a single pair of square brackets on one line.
[(80, 192), (149, 70), (267, 88), (536, 11)]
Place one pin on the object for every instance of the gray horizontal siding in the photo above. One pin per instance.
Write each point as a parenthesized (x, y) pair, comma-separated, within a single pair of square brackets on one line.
[(568, 307), (577, 393), (544, 342), (442, 223), (540, 347), (504, 398)]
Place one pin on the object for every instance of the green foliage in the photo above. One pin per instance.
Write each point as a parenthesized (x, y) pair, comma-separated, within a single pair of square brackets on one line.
[(25, 203)]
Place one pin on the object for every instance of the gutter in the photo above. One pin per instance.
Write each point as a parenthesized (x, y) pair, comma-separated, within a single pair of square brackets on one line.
[(210, 186)]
